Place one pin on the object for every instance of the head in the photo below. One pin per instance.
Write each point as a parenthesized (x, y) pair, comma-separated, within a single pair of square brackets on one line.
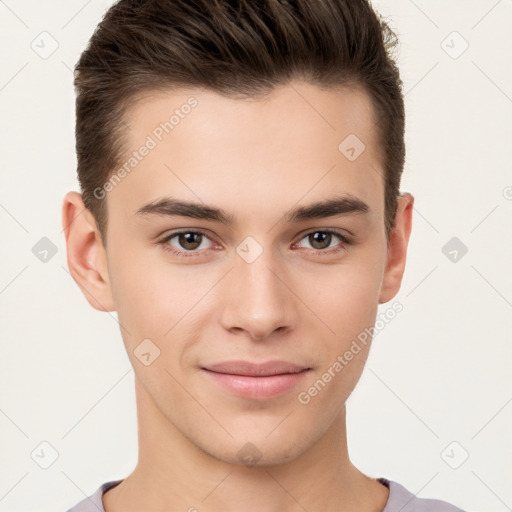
[(270, 116)]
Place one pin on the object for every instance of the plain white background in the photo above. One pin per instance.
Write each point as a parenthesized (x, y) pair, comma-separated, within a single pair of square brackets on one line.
[(433, 409)]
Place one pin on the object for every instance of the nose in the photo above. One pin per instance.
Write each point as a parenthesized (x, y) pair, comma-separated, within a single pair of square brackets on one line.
[(258, 299)]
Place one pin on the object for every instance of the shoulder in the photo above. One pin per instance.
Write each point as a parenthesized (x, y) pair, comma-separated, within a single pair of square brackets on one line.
[(93, 503), (402, 500)]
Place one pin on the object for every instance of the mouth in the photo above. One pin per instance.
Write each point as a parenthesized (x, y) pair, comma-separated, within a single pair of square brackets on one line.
[(256, 380)]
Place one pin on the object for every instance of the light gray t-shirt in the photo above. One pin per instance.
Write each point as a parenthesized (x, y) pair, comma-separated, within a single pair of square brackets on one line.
[(400, 500)]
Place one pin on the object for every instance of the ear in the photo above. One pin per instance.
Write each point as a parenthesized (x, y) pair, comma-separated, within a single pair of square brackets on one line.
[(397, 248), (87, 258)]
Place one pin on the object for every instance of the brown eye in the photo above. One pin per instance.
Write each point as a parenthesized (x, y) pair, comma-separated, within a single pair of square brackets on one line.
[(187, 243), (190, 240), (320, 239), (322, 242)]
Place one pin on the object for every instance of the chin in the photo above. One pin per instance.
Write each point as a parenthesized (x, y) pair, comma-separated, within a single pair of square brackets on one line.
[(259, 451)]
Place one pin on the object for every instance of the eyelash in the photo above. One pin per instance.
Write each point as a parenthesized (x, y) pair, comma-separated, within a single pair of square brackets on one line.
[(193, 253)]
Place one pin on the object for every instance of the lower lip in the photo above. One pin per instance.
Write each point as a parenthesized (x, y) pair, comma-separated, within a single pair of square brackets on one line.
[(257, 387)]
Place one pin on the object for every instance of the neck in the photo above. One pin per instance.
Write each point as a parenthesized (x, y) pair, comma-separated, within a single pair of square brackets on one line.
[(172, 473)]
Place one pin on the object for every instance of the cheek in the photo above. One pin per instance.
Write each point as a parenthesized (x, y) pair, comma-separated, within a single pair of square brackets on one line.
[(157, 301), (347, 299), (144, 300), (349, 307)]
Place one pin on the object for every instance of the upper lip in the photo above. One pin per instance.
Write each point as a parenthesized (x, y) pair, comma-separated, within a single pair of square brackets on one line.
[(256, 369)]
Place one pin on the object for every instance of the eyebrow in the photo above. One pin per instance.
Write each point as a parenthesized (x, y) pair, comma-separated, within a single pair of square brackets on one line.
[(336, 206)]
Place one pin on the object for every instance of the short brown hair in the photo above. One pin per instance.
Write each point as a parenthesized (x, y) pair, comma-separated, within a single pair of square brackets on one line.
[(236, 48)]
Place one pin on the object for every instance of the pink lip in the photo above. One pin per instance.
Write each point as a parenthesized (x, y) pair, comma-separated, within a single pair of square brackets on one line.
[(256, 380)]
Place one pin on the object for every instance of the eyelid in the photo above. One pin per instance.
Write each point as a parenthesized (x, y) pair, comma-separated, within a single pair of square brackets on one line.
[(169, 236), (346, 236), (345, 241)]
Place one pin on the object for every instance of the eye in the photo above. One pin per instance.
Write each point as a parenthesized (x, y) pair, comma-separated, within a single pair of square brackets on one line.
[(320, 241), (187, 243)]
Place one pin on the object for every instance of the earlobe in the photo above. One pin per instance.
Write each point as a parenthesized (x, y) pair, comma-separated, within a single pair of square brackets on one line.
[(397, 249), (86, 256)]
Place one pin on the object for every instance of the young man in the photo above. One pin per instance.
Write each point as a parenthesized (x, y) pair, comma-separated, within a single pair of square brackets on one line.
[(240, 166)]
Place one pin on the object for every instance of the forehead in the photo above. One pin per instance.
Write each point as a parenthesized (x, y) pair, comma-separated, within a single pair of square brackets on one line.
[(298, 141)]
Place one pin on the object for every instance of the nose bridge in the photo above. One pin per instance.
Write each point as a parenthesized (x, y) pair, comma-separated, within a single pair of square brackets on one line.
[(258, 301)]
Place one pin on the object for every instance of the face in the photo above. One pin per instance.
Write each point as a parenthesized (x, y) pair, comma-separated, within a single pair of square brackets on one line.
[(238, 308)]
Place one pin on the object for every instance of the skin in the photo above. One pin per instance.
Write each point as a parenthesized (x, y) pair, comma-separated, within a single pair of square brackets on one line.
[(256, 159)]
